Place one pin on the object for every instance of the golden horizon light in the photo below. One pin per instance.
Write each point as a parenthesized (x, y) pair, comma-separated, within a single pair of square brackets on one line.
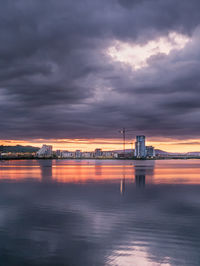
[(165, 144)]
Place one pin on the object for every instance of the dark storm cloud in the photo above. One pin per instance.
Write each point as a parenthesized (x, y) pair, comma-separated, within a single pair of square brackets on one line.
[(56, 81)]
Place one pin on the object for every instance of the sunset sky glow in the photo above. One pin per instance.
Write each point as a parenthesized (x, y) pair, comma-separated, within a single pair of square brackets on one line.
[(169, 145)]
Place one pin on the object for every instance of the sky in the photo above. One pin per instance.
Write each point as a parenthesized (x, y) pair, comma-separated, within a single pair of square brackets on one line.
[(73, 73)]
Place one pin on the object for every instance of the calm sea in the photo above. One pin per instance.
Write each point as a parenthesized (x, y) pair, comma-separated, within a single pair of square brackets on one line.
[(85, 213)]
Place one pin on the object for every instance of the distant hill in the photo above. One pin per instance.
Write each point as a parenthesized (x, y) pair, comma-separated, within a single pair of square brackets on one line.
[(160, 152), (18, 149)]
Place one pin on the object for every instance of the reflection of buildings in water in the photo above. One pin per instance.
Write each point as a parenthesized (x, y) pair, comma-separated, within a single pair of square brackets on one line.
[(122, 186), (140, 175), (144, 173), (98, 169), (122, 182), (46, 170)]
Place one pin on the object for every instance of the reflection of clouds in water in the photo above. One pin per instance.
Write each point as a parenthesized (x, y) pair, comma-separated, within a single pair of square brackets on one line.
[(93, 221), (49, 224), (137, 256)]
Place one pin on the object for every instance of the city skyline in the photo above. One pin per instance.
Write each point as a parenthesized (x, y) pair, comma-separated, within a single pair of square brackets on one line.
[(109, 144)]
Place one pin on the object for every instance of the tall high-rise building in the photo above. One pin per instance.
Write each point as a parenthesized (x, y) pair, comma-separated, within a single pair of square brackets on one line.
[(140, 148), (45, 151)]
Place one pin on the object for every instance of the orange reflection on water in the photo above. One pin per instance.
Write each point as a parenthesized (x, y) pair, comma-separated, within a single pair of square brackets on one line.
[(15, 170), (183, 172), (74, 171), (91, 172)]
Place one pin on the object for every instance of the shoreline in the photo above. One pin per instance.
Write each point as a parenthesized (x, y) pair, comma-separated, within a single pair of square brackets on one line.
[(100, 159)]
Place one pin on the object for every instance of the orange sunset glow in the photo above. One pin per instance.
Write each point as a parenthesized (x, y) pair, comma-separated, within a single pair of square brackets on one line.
[(165, 144)]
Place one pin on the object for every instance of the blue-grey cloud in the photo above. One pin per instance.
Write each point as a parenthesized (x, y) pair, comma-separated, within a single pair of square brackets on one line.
[(56, 81)]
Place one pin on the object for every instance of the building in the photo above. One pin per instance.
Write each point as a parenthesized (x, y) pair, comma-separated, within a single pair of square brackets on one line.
[(115, 155), (68, 154), (78, 154), (98, 153), (45, 151), (140, 148), (58, 153), (87, 155), (150, 151), (107, 154)]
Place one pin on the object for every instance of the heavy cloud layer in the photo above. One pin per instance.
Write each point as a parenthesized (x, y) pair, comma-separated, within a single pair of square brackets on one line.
[(57, 80)]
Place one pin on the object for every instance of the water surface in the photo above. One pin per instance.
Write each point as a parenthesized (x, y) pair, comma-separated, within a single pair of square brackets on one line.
[(87, 212)]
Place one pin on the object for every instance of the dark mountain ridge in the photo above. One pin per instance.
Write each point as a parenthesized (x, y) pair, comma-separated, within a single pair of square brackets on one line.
[(18, 149)]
